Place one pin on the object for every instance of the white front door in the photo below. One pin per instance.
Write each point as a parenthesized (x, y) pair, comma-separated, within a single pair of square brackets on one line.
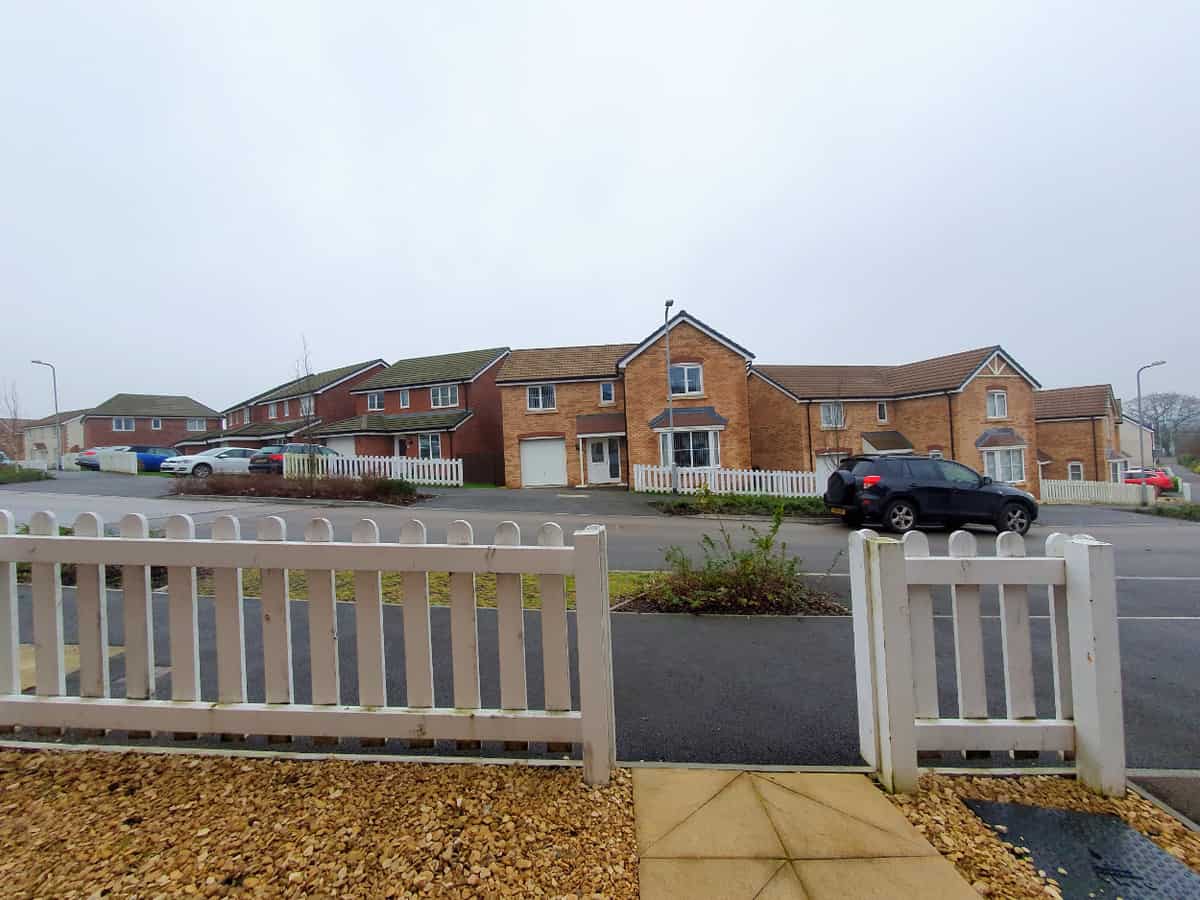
[(603, 460), (543, 461)]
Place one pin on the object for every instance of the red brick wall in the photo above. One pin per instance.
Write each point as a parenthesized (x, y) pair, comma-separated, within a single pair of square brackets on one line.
[(778, 438), (971, 419), (419, 400), (98, 432)]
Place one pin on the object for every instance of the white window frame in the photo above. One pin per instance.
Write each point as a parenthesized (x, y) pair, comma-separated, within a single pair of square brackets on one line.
[(404, 398), (936, 454), (996, 399), (246, 416), (196, 424), (156, 424), (119, 423), (375, 401), (665, 458), (1116, 470), (428, 443), (994, 464), (698, 391), (539, 390), (272, 411), (1072, 467), (828, 420), (612, 392), (306, 405), (286, 411), (881, 411), (451, 391)]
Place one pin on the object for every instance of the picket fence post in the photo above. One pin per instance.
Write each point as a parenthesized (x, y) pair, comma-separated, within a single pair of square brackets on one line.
[(1095, 665), (595, 654), (864, 649), (10, 651)]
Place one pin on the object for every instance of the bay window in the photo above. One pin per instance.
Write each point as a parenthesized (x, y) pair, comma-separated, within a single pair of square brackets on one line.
[(1005, 465), (692, 449)]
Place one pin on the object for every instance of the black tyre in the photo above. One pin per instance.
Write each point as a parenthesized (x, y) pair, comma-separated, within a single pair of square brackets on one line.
[(203, 470), (900, 516), (852, 520), (1013, 516)]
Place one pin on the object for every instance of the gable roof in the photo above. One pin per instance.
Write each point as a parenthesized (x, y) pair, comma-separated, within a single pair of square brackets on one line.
[(680, 317), (1083, 401), (926, 376), (402, 423), (308, 384), (63, 417), (563, 363), (441, 369), (155, 405)]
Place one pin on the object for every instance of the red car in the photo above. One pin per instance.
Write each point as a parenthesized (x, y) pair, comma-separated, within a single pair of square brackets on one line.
[(1159, 479)]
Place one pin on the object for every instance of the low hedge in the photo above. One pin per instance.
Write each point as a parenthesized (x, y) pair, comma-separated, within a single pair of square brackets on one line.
[(1188, 511), (381, 490), (740, 505), (16, 474)]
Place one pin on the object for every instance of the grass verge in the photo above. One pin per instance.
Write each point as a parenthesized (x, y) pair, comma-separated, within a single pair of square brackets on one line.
[(17, 475), (1189, 512)]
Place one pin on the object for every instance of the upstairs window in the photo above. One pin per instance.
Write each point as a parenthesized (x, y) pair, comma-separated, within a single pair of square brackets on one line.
[(606, 392), (123, 423), (443, 395), (246, 416), (539, 396), (997, 404), (375, 402), (687, 378), (404, 398), (156, 424), (881, 411), (286, 411), (833, 415), (306, 405), (196, 424), (272, 411)]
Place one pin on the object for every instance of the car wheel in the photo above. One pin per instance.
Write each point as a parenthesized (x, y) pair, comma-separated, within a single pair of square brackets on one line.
[(900, 516), (202, 471), (852, 520), (1013, 517)]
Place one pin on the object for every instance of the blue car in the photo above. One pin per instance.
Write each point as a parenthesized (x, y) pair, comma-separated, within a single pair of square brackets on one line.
[(150, 459)]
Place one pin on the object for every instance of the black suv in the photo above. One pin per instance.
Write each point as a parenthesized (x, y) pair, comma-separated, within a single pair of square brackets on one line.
[(901, 492), (269, 459)]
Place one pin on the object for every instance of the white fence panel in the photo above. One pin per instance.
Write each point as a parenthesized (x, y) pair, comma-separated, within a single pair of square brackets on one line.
[(118, 461), (1057, 491), (375, 715), (889, 584), (657, 479), (438, 472)]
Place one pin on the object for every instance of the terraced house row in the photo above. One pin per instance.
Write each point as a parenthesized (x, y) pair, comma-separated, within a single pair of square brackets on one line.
[(585, 415)]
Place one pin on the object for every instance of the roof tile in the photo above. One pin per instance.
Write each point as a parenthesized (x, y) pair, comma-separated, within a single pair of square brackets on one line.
[(1084, 401), (563, 363), (942, 373), (446, 367), (152, 405)]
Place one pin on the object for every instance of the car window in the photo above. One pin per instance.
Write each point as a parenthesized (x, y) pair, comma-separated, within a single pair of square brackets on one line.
[(957, 474), (863, 467), (924, 470)]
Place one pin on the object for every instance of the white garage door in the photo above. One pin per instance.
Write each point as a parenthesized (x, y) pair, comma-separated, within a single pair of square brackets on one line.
[(342, 445), (543, 461)]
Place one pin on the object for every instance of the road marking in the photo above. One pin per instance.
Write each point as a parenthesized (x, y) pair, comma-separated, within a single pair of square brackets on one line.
[(1158, 578), (1119, 618)]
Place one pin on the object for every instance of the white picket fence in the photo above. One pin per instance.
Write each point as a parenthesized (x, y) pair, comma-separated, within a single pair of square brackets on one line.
[(657, 479), (896, 666), (440, 472), (1058, 491), (319, 556)]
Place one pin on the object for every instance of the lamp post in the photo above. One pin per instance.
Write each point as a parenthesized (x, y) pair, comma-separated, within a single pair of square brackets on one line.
[(57, 427), (1141, 428), (670, 400)]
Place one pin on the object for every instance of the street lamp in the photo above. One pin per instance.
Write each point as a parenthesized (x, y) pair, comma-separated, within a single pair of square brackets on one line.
[(57, 427), (1142, 426), (670, 400)]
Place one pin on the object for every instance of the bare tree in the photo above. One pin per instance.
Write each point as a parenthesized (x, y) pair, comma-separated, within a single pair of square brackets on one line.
[(12, 436), (306, 385), (1168, 413)]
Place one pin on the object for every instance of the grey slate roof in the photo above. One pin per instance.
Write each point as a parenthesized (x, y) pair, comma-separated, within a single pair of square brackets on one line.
[(311, 384), (395, 424), (999, 437), (63, 417), (157, 405), (445, 368)]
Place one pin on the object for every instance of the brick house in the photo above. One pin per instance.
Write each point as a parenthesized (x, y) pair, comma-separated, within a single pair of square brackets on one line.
[(432, 407), (585, 415), (1078, 434), (281, 414), (39, 434), (976, 407), (156, 420)]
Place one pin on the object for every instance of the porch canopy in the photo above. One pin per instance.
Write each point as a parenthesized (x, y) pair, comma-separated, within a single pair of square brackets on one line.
[(609, 424), (886, 442)]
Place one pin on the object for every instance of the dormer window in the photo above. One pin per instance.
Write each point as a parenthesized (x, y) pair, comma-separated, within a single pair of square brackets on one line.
[(687, 379), (997, 404)]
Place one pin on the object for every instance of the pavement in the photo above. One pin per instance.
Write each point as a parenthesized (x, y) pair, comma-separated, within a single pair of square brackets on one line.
[(741, 834)]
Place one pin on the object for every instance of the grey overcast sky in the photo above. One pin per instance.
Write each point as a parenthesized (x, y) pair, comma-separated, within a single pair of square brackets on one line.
[(186, 188)]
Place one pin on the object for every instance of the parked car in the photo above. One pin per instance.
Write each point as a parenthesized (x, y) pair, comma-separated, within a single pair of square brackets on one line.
[(5, 460), (902, 492), (218, 460), (1157, 478), (270, 459), (89, 458)]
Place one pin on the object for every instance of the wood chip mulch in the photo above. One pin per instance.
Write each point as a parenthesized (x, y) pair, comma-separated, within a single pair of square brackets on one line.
[(997, 867), (137, 825)]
